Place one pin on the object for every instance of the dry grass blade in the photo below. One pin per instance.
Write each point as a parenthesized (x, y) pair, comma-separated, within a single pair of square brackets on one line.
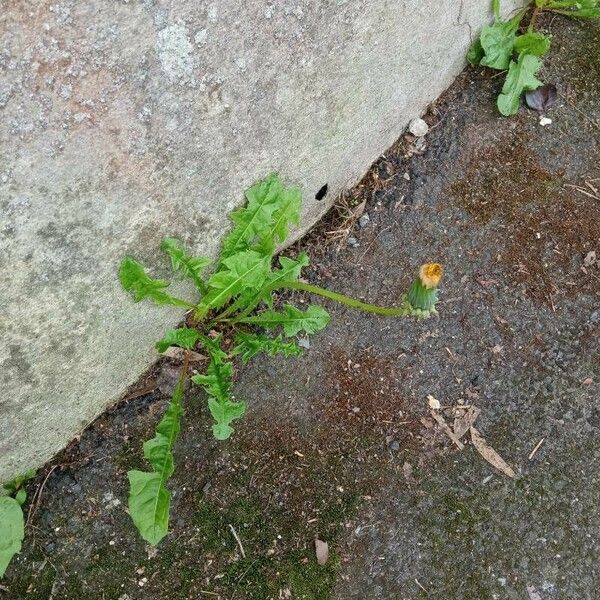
[(538, 446), (583, 191), (464, 422), (446, 429), (346, 217), (238, 540), (35, 501), (358, 210), (490, 454)]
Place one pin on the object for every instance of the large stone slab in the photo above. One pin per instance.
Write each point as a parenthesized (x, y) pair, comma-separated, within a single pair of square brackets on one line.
[(125, 121)]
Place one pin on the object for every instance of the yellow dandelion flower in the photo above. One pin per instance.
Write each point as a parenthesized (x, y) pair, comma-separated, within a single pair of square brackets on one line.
[(430, 275)]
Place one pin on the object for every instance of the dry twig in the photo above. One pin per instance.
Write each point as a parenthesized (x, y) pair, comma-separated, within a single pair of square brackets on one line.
[(36, 497), (237, 539), (537, 447)]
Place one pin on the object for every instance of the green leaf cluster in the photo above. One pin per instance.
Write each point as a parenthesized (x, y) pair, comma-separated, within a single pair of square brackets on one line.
[(184, 337), (190, 266), (497, 42), (217, 382), (521, 78), (241, 280), (12, 523), (265, 220), (134, 279), (248, 345), (291, 319), (245, 271), (12, 530), (499, 47), (583, 9), (236, 291), (149, 498)]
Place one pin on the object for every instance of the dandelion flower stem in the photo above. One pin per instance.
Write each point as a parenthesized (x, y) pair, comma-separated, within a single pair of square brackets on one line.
[(372, 308)]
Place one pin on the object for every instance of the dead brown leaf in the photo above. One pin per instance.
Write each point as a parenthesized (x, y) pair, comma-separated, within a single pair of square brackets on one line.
[(464, 422), (490, 454), (590, 259), (359, 210), (167, 378), (483, 282), (407, 470), (322, 551), (472, 392), (434, 403), (150, 387), (177, 353), (533, 593)]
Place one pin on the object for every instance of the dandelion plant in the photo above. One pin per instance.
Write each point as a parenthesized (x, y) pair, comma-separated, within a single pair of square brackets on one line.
[(236, 293)]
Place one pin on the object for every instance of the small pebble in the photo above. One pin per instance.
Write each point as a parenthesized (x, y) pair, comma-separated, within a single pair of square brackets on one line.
[(545, 121), (418, 127), (304, 342), (434, 403), (364, 220), (420, 144), (394, 445), (353, 242)]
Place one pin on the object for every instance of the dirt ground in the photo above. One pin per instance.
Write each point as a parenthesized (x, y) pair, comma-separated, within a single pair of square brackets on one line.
[(340, 444)]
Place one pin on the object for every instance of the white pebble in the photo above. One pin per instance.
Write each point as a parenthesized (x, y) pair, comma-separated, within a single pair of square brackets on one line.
[(545, 121), (418, 127), (434, 403)]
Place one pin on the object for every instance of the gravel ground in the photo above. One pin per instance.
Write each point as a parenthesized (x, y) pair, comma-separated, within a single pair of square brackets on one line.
[(340, 444)]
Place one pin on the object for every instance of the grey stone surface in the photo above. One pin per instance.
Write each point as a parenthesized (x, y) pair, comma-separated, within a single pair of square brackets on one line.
[(122, 122)]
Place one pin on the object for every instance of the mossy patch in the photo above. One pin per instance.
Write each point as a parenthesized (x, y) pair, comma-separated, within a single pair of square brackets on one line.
[(130, 456), (279, 552), (502, 177), (36, 582)]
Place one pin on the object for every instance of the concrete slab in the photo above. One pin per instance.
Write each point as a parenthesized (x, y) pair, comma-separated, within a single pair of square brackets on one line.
[(123, 122)]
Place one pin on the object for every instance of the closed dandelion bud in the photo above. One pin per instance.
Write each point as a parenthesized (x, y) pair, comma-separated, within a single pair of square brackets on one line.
[(422, 294)]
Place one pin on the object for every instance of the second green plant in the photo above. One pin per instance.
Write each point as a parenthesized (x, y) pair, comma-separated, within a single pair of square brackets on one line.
[(501, 46)]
